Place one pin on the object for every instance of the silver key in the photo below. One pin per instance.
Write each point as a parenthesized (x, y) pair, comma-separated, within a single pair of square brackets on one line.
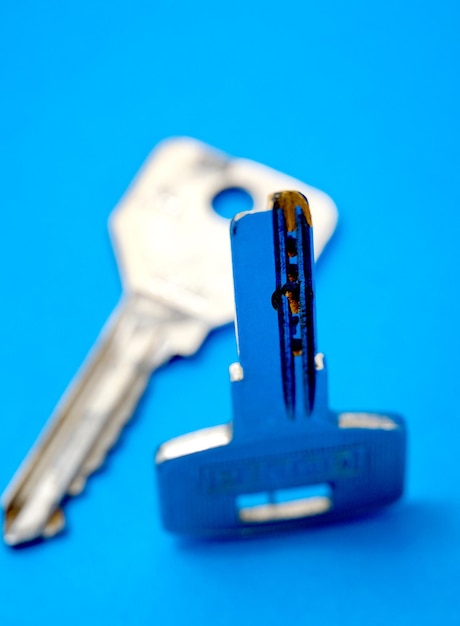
[(174, 257)]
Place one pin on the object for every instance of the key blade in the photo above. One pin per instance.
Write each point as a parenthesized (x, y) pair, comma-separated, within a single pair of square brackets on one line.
[(272, 271), (91, 414), (294, 296)]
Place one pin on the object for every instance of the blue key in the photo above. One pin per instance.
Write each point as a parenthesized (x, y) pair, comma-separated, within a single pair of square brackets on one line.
[(286, 459)]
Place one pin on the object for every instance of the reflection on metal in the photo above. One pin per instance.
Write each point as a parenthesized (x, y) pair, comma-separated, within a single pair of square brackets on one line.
[(319, 362), (367, 420), (296, 509), (236, 372), (197, 441)]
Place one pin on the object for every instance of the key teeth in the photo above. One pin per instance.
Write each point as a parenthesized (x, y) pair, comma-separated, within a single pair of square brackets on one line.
[(77, 485), (55, 524), (98, 454), (106, 441)]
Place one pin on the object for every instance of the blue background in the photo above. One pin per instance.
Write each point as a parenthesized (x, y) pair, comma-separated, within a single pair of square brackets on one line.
[(360, 99)]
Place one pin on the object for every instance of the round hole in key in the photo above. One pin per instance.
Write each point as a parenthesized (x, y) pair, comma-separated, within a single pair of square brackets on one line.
[(228, 202)]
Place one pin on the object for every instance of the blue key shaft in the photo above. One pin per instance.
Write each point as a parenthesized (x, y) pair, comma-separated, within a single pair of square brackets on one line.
[(272, 271)]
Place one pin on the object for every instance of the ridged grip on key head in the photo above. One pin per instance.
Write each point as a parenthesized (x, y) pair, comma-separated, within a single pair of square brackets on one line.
[(284, 438)]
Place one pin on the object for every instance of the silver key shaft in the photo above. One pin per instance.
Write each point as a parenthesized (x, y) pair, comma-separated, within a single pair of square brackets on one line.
[(92, 412)]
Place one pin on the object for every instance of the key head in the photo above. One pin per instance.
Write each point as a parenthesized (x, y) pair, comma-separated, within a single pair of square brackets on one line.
[(171, 244), (212, 484)]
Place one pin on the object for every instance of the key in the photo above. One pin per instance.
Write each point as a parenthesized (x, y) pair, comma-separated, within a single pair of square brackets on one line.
[(287, 459), (175, 264)]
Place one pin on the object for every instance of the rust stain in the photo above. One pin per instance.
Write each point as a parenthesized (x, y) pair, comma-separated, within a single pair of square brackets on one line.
[(288, 201)]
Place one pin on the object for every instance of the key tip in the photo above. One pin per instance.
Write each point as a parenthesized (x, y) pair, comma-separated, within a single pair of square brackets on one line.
[(287, 201), (19, 529), (15, 533)]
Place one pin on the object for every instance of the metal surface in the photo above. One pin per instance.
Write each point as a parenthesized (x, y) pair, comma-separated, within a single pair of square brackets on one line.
[(169, 242), (246, 476), (174, 258)]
